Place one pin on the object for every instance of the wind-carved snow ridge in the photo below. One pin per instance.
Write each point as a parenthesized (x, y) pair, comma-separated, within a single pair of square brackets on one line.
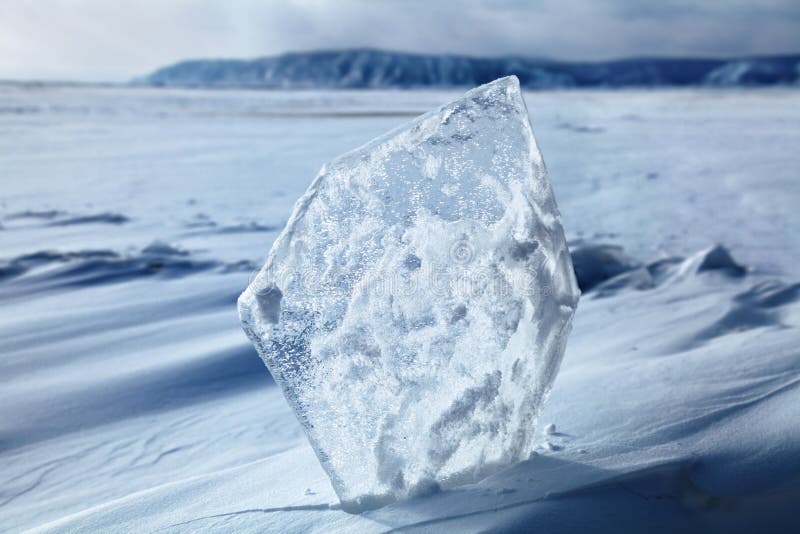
[(416, 307)]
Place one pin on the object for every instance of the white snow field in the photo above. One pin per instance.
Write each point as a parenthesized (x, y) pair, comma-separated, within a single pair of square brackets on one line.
[(416, 307), (131, 401)]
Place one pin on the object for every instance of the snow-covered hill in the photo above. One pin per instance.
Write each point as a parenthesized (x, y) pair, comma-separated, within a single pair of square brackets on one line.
[(367, 68)]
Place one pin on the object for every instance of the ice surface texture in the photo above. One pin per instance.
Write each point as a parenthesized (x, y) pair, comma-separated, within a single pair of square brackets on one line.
[(416, 307)]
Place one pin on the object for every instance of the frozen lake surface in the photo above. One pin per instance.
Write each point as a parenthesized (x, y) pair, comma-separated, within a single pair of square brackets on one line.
[(131, 219)]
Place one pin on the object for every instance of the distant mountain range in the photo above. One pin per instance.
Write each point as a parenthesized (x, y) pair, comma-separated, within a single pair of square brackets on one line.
[(368, 68)]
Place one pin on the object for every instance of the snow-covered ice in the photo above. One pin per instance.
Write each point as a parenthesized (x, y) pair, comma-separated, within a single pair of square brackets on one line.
[(131, 220), (416, 307)]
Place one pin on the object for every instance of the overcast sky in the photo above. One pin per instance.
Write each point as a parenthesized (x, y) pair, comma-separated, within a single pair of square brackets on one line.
[(118, 39)]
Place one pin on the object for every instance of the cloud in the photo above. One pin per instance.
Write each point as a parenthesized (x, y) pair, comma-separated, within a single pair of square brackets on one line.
[(98, 39)]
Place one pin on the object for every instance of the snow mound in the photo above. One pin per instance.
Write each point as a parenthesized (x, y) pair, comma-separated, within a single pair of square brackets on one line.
[(416, 307), (595, 263), (53, 217), (716, 258), (49, 270), (604, 270)]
